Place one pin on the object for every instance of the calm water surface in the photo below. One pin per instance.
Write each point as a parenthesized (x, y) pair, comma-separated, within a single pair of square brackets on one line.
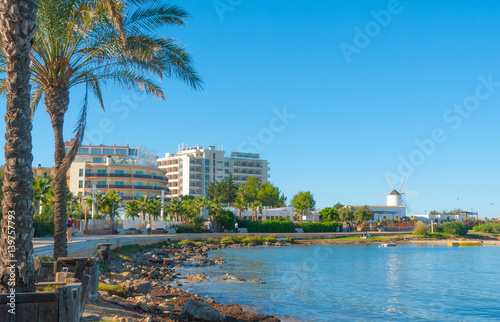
[(360, 282)]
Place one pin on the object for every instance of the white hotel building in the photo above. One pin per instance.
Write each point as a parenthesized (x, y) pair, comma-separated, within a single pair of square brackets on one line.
[(192, 169)]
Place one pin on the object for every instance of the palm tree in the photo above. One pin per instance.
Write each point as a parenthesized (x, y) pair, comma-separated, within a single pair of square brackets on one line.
[(132, 209), (175, 208), (256, 207), (241, 204), (154, 208), (143, 203), (214, 206), (109, 204), (41, 187), (77, 44), (18, 24)]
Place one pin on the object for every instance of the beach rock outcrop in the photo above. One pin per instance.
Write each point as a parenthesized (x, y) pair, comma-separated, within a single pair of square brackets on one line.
[(202, 311), (139, 286)]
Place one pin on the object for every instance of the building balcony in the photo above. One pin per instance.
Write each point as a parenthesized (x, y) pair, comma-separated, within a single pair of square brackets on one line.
[(125, 175)]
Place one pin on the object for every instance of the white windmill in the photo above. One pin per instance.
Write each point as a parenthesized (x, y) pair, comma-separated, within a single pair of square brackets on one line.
[(398, 196)]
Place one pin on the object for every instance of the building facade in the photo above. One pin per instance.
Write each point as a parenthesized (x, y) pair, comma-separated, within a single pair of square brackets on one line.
[(133, 172), (192, 169)]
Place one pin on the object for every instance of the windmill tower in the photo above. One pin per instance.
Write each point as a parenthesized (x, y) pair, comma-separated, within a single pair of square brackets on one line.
[(394, 199)]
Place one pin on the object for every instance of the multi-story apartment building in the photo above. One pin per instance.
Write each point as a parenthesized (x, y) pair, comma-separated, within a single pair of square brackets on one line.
[(131, 171), (43, 172), (192, 169)]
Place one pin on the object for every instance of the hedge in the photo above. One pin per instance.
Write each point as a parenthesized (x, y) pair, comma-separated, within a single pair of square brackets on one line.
[(270, 226), (43, 228), (455, 228), (318, 227), (488, 228)]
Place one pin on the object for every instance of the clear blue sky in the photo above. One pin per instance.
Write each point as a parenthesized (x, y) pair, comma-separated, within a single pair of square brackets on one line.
[(360, 101)]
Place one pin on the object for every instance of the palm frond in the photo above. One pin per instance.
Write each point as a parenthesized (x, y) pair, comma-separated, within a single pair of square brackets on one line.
[(156, 16), (36, 96)]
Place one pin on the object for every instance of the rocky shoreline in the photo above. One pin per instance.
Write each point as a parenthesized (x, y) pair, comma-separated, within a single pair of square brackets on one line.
[(145, 286)]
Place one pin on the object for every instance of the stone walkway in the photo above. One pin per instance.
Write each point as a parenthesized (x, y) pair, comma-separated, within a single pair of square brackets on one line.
[(87, 245)]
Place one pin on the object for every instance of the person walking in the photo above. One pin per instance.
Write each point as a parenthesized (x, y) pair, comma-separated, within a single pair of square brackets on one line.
[(148, 228), (210, 227), (69, 230), (236, 228)]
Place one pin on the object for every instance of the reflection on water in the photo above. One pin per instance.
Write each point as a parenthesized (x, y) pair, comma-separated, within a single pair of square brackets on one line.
[(360, 282)]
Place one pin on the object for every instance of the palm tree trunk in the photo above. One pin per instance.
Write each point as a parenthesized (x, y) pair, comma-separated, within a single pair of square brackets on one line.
[(17, 27), (56, 102)]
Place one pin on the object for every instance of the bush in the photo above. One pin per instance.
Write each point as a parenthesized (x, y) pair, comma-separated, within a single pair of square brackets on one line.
[(487, 228), (212, 241), (255, 240), (226, 219), (318, 227), (43, 227), (270, 226), (230, 240), (114, 289), (186, 242), (420, 229), (289, 240), (455, 228), (473, 223)]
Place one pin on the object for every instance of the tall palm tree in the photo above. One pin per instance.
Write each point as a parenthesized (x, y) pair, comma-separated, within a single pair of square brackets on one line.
[(241, 204), (175, 208), (256, 207), (132, 209), (78, 44), (17, 25), (154, 208), (143, 203), (109, 204)]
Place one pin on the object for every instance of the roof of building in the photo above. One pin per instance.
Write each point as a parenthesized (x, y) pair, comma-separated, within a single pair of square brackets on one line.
[(394, 192)]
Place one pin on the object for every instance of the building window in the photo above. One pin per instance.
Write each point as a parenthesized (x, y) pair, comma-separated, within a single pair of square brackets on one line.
[(121, 151), (226, 164), (108, 151), (138, 183), (235, 170), (219, 162), (101, 183), (97, 160), (119, 183), (80, 184), (138, 194), (83, 150), (219, 169), (80, 172), (236, 163), (207, 162), (207, 169), (101, 170), (119, 171), (226, 171), (138, 172), (207, 177), (95, 151)]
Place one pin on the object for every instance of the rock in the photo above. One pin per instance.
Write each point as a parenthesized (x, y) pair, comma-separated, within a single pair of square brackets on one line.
[(148, 319), (103, 293), (126, 275), (202, 311), (140, 286), (90, 318), (143, 306), (120, 276), (166, 307)]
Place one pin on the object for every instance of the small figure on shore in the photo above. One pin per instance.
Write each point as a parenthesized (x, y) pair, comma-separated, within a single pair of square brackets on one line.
[(148, 228), (69, 230), (236, 228), (210, 227)]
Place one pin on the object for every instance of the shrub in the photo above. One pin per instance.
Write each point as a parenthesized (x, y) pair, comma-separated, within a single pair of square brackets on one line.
[(114, 289), (455, 228), (271, 239), (487, 228), (289, 240), (270, 226), (51, 288), (186, 242), (226, 219), (420, 229), (242, 223), (104, 267), (212, 241), (255, 240), (45, 258), (473, 223), (318, 227), (230, 240), (43, 227)]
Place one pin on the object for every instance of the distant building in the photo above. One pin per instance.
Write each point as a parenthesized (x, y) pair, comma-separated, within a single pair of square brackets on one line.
[(133, 172), (192, 169), (439, 218), (43, 172), (286, 213), (394, 209)]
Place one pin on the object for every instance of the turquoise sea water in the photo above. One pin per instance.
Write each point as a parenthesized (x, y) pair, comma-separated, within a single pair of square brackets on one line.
[(360, 282)]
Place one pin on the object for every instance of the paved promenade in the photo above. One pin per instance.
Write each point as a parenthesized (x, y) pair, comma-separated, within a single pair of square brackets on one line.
[(87, 245)]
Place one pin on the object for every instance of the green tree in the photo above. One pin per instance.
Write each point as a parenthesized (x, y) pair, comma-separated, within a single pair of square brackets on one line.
[(109, 205), (132, 209), (224, 190), (241, 204), (154, 209), (256, 207), (338, 205), (346, 214), (41, 187), (303, 202), (143, 203), (270, 196), (329, 214), (78, 44), (363, 215), (175, 208), (250, 189)]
